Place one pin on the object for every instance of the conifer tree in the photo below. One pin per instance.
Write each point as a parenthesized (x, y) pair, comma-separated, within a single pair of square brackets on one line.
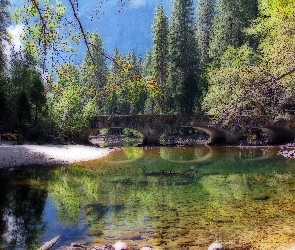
[(160, 56), (229, 24), (204, 23), (147, 69), (183, 59)]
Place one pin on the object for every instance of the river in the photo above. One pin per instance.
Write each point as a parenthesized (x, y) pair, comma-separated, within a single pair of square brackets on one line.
[(169, 198)]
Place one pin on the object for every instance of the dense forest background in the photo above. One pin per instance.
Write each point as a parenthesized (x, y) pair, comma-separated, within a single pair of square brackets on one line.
[(219, 57)]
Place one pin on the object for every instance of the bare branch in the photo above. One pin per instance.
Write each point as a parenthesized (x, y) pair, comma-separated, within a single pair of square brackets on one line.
[(85, 36)]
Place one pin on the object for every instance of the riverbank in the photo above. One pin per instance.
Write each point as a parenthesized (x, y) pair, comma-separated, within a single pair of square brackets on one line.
[(28, 154)]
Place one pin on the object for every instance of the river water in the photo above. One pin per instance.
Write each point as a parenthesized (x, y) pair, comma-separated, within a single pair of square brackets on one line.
[(169, 198)]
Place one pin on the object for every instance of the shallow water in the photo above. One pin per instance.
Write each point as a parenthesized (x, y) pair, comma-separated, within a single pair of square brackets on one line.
[(170, 198)]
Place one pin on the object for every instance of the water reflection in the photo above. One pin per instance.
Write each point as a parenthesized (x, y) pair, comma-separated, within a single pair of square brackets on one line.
[(170, 198)]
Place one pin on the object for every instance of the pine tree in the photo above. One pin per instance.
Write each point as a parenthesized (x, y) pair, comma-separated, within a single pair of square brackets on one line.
[(147, 69), (232, 18), (160, 56), (183, 78), (204, 22)]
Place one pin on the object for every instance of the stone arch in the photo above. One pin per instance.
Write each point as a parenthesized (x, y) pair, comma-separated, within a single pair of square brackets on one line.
[(278, 135), (217, 137)]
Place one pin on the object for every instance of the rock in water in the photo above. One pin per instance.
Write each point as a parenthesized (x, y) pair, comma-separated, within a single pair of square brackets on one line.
[(215, 246), (146, 248), (119, 245)]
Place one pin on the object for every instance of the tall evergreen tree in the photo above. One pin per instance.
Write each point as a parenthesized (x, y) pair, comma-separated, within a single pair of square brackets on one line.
[(204, 22), (160, 56), (183, 68), (147, 69), (233, 16)]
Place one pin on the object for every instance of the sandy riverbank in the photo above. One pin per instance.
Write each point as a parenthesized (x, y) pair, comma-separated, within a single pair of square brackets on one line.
[(21, 155)]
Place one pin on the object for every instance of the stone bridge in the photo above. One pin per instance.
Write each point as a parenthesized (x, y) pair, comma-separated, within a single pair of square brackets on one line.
[(151, 127)]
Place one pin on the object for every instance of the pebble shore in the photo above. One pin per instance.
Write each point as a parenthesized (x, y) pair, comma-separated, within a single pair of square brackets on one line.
[(12, 155)]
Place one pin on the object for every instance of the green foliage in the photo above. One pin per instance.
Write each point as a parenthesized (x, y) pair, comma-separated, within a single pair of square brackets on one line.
[(263, 80), (204, 32), (43, 21), (183, 59), (232, 82), (94, 67), (24, 88), (127, 84), (160, 59), (233, 16), (71, 105)]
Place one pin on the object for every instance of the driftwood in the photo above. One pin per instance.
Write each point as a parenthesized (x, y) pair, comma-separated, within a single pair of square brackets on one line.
[(49, 244)]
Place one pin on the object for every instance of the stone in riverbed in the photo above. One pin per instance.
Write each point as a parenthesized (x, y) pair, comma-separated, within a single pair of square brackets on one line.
[(261, 197), (134, 236)]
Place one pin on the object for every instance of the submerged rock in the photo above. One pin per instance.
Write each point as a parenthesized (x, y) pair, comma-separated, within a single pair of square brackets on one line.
[(120, 245), (215, 246), (261, 197)]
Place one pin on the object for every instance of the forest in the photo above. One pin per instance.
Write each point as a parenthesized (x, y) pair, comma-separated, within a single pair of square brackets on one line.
[(219, 57)]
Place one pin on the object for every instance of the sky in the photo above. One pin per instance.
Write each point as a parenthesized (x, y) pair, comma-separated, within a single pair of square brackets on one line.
[(123, 24)]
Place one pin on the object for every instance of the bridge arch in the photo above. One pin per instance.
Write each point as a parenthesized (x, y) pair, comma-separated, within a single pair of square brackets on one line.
[(217, 137), (278, 135)]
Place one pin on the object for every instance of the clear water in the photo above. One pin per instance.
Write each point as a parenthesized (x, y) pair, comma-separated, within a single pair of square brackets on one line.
[(169, 198)]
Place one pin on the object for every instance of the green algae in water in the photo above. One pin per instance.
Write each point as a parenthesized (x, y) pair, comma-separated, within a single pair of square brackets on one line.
[(169, 198)]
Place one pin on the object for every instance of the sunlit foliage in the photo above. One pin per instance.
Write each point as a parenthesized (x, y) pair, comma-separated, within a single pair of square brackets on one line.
[(260, 81), (128, 85), (72, 104)]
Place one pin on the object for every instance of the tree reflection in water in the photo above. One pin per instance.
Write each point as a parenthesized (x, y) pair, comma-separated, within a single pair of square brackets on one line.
[(160, 198), (21, 208)]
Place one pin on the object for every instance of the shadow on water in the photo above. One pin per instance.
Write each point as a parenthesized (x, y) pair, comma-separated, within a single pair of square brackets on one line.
[(170, 198)]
